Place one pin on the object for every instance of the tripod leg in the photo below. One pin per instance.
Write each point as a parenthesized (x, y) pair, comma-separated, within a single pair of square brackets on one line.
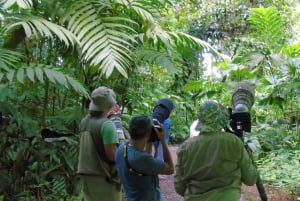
[(261, 189)]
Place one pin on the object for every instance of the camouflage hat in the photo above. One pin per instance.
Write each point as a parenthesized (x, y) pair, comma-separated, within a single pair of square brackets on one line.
[(212, 116)]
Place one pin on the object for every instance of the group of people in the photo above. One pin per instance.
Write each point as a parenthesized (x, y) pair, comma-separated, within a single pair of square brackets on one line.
[(210, 167)]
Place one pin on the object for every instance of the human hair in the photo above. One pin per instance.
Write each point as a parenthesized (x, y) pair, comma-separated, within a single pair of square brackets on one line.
[(140, 126)]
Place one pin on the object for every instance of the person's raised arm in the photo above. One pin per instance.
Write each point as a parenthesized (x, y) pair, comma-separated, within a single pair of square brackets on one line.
[(169, 165)]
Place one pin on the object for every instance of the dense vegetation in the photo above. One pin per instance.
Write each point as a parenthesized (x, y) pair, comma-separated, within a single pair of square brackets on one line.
[(54, 52)]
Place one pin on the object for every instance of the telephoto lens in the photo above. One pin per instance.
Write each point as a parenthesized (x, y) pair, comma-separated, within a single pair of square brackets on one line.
[(243, 97), (160, 113), (242, 101)]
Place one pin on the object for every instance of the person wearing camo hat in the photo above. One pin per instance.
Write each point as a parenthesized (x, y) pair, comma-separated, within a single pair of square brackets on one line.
[(213, 165)]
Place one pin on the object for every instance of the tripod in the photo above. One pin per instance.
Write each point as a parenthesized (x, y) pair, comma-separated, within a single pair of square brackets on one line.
[(239, 131)]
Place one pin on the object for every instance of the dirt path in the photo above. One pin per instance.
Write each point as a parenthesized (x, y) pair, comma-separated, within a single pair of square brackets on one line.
[(249, 193)]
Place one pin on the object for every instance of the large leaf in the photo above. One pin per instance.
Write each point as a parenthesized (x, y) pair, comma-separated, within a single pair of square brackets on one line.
[(148, 11), (8, 59), (21, 3), (106, 41), (37, 73), (268, 26), (152, 56), (36, 26), (187, 40)]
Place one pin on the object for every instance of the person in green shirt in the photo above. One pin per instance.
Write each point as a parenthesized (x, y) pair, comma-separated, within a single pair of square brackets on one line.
[(213, 165), (98, 144)]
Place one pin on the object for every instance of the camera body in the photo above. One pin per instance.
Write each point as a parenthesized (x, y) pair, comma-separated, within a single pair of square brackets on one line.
[(156, 124)]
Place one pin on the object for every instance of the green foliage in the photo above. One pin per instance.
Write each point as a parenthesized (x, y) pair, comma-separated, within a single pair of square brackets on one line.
[(32, 166), (293, 50), (268, 26), (8, 59), (279, 168), (36, 26), (21, 4), (38, 72), (55, 51)]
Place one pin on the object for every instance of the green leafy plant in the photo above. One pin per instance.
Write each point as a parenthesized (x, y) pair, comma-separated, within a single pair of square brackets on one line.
[(279, 167)]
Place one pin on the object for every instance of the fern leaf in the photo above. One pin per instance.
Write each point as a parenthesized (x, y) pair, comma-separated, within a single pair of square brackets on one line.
[(268, 25)]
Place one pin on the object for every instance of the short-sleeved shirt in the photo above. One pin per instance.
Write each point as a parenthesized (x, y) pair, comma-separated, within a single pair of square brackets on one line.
[(108, 132), (212, 167), (139, 188)]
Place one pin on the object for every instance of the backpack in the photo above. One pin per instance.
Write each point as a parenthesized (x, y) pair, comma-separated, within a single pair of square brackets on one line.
[(107, 166)]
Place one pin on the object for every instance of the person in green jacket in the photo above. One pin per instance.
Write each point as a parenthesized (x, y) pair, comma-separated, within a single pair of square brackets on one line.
[(213, 165)]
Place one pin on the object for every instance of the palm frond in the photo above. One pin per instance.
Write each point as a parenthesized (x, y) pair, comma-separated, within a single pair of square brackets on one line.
[(21, 3), (159, 58), (59, 184), (37, 26), (186, 40), (148, 11), (39, 72), (8, 59), (105, 41), (268, 25)]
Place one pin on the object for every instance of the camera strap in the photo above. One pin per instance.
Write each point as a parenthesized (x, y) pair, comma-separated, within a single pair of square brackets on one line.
[(130, 168)]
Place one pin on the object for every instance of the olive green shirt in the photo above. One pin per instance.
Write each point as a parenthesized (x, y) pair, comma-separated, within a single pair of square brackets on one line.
[(212, 167)]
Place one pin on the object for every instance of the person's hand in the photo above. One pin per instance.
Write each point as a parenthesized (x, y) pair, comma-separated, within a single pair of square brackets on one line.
[(160, 132)]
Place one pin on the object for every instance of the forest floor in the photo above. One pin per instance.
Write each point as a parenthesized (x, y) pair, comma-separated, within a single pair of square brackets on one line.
[(249, 193)]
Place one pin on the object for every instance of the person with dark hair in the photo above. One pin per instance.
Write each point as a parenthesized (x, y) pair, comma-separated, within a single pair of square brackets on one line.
[(98, 145), (213, 165), (137, 168)]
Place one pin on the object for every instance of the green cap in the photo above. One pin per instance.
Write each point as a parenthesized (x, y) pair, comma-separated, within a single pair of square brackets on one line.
[(139, 126), (212, 116)]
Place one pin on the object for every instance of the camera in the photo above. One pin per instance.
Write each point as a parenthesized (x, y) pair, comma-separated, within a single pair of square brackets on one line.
[(156, 125), (240, 119), (161, 112)]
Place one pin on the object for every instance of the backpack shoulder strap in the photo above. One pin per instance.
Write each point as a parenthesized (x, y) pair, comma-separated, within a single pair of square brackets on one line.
[(130, 168)]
